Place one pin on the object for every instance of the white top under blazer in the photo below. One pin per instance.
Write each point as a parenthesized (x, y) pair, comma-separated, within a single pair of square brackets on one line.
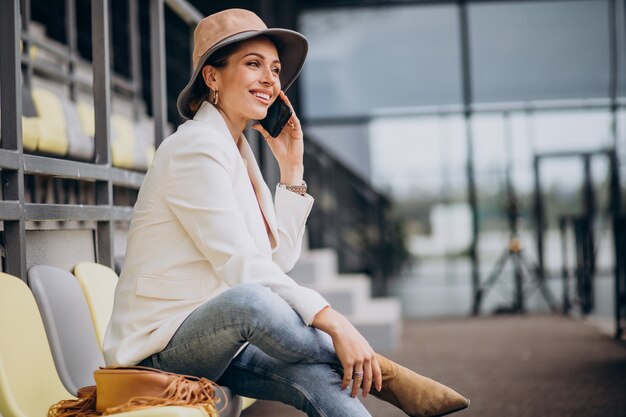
[(197, 229)]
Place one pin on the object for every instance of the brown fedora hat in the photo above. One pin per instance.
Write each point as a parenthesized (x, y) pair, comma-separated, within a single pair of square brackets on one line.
[(235, 25)]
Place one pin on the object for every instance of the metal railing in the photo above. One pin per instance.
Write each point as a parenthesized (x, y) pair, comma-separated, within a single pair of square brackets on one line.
[(17, 67), (353, 218), (360, 231)]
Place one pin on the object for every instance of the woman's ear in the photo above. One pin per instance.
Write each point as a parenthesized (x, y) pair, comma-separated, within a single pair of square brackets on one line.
[(209, 74)]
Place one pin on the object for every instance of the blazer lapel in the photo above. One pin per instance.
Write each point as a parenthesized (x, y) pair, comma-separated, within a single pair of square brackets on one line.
[(207, 113), (263, 194)]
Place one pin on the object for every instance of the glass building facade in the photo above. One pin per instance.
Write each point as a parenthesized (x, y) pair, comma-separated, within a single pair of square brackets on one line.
[(540, 78)]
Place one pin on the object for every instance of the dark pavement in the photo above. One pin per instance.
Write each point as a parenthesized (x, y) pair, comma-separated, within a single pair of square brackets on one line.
[(509, 366)]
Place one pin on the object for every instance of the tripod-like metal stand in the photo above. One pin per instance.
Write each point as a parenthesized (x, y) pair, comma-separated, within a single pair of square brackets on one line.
[(523, 269)]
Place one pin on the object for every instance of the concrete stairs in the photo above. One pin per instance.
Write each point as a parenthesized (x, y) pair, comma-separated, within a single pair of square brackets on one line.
[(378, 319)]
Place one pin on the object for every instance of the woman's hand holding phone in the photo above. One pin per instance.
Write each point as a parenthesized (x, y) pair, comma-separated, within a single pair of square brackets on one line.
[(287, 147)]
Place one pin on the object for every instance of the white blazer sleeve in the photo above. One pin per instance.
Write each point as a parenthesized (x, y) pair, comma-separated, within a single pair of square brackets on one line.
[(198, 190), (292, 210)]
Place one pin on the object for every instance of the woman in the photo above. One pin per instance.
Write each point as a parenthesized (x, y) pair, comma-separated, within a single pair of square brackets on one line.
[(203, 290)]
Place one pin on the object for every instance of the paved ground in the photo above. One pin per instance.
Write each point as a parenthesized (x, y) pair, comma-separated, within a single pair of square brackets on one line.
[(531, 366)]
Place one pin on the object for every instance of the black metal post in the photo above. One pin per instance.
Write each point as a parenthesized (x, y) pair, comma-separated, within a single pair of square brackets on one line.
[(616, 198), (157, 66), (619, 245), (72, 42), (135, 55), (102, 100), (539, 217), (589, 269), (471, 184), (589, 203), (11, 102), (26, 43), (563, 223)]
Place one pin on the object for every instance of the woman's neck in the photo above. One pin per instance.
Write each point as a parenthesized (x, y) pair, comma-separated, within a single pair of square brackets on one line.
[(235, 125)]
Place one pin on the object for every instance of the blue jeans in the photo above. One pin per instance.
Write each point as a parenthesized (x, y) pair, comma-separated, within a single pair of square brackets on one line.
[(285, 360)]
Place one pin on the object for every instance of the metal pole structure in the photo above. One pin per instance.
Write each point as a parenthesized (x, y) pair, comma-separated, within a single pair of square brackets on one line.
[(26, 43), (563, 223), (72, 42), (135, 55), (471, 184), (157, 66), (588, 243), (102, 100), (11, 102), (512, 210), (185, 11), (616, 198), (614, 68), (539, 220), (618, 246)]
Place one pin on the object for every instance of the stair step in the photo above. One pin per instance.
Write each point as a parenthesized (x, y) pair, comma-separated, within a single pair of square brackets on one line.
[(348, 293), (380, 322), (315, 268)]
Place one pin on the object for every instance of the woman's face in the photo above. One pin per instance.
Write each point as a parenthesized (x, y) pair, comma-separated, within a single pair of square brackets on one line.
[(250, 81)]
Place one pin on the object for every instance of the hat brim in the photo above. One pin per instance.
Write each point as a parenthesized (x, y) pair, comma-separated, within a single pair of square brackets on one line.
[(292, 49)]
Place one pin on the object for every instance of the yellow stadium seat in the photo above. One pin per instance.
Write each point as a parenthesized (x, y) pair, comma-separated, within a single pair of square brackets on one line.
[(53, 130), (29, 383), (87, 118), (123, 141), (33, 51), (31, 131), (98, 283)]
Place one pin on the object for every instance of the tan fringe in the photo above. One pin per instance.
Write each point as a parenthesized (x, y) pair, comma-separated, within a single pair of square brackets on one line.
[(81, 407), (180, 392)]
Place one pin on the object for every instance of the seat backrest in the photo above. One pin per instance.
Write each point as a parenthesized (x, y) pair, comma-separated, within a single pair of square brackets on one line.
[(68, 324), (80, 145), (53, 135), (123, 141), (86, 114), (29, 383), (98, 283)]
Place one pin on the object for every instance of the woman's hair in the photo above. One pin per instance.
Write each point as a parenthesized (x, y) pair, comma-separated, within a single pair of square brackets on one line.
[(200, 91)]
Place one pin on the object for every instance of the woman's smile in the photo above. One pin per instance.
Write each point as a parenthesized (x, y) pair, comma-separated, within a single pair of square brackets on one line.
[(263, 96)]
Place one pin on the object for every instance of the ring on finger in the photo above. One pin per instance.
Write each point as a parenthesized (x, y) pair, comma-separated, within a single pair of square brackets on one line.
[(290, 123), (357, 374)]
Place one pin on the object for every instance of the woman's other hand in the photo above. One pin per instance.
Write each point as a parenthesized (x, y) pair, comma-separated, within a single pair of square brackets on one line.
[(288, 147), (353, 351)]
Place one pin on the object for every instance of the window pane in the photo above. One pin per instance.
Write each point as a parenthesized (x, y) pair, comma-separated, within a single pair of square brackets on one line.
[(366, 59), (419, 156), (539, 50), (576, 130)]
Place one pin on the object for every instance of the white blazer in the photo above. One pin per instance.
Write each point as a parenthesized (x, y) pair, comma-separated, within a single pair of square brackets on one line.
[(197, 229)]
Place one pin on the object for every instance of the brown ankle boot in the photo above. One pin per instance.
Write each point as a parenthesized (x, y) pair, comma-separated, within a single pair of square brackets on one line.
[(415, 394)]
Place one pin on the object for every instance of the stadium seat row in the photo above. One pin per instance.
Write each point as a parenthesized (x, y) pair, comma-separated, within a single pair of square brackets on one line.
[(53, 124), (52, 340)]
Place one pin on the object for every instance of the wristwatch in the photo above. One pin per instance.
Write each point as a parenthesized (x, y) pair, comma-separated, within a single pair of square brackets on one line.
[(298, 189)]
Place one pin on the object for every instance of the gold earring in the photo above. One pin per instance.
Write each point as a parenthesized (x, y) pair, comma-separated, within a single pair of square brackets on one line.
[(216, 97)]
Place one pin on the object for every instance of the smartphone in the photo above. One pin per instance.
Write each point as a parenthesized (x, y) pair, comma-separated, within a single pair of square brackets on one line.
[(278, 115)]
